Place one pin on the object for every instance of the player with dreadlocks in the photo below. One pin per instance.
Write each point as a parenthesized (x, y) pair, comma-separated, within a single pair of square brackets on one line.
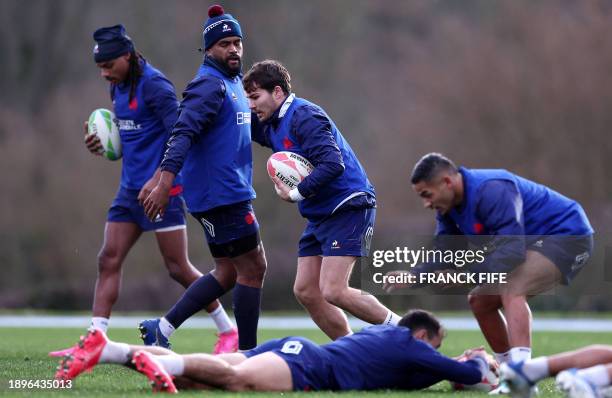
[(146, 108)]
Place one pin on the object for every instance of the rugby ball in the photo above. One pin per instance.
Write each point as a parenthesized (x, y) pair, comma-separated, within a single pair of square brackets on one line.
[(489, 382), (102, 123), (289, 168)]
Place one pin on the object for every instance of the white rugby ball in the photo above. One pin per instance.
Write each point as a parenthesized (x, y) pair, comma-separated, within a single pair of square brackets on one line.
[(102, 123), (489, 382), (289, 168)]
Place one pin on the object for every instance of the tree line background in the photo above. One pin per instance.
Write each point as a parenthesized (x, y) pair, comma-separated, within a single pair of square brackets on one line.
[(512, 84)]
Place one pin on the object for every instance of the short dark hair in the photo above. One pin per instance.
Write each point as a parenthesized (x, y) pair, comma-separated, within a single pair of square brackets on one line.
[(421, 319), (267, 75), (430, 165)]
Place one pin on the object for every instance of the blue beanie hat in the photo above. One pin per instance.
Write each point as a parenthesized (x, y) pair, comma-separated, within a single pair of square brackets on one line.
[(218, 26), (111, 42)]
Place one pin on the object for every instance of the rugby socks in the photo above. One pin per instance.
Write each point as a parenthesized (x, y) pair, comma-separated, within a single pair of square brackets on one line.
[(536, 369), (596, 375), (246, 310), (166, 327), (98, 322), (173, 364), (392, 319), (197, 296), (518, 354), (223, 322), (502, 357), (115, 353)]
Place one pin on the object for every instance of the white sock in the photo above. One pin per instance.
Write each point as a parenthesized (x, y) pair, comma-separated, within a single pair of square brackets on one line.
[(502, 357), (174, 364), (518, 354), (596, 375), (98, 322), (115, 353), (223, 322), (392, 319), (166, 327), (536, 369)]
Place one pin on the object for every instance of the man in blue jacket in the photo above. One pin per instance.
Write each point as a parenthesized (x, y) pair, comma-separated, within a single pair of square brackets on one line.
[(538, 236), (211, 144), (145, 108), (402, 357), (337, 199)]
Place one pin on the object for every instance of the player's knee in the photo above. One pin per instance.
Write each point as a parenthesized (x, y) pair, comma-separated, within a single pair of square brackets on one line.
[(480, 303), (253, 273), (307, 295), (334, 294), (176, 272), (225, 276), (475, 303), (108, 261)]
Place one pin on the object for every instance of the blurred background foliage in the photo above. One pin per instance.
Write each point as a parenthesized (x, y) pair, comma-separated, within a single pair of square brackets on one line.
[(513, 84)]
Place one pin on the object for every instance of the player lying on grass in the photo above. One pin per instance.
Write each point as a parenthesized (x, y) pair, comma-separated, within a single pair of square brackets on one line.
[(582, 373), (402, 357)]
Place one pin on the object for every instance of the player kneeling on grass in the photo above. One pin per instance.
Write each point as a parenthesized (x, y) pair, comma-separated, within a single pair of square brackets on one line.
[(402, 357), (583, 373)]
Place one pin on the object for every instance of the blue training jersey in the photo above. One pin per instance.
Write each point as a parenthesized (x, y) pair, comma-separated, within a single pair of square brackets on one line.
[(514, 212), (388, 357), (144, 123), (302, 127), (497, 202), (211, 141)]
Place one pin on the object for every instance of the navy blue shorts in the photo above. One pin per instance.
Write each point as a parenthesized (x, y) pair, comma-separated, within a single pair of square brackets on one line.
[(310, 370), (230, 230), (568, 253), (345, 233), (125, 208)]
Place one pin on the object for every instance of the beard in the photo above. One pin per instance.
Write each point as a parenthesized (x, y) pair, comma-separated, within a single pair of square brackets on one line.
[(234, 68)]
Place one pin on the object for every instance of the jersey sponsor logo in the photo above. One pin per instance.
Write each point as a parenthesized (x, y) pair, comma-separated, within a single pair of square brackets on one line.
[(234, 96), (128, 125), (209, 227), (335, 244), (292, 347), (243, 118)]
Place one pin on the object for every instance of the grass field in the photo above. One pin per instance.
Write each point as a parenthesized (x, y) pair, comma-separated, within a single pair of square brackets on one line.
[(23, 355)]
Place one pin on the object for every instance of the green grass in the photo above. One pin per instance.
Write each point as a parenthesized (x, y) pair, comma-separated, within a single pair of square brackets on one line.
[(23, 355)]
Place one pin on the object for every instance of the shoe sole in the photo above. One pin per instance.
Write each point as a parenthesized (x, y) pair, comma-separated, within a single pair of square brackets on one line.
[(160, 381)]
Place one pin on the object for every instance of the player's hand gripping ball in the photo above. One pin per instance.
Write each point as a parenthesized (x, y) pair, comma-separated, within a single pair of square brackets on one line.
[(102, 124), (490, 380)]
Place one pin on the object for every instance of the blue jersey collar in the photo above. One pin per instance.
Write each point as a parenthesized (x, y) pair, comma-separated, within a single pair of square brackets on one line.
[(210, 61)]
